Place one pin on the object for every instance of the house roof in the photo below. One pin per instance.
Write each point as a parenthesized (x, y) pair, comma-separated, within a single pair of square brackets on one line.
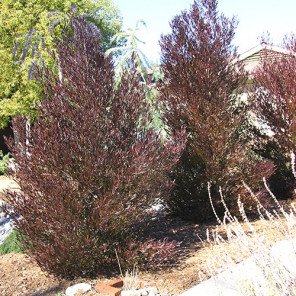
[(263, 47), (251, 59)]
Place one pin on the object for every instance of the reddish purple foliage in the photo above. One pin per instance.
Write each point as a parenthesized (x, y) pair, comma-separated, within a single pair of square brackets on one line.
[(275, 104), (151, 253), (199, 92), (92, 168), (276, 95)]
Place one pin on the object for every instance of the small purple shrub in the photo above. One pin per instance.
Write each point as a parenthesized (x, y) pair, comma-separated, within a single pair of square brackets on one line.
[(275, 105)]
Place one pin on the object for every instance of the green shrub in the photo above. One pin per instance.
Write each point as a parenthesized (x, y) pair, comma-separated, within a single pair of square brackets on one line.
[(4, 160), (11, 244)]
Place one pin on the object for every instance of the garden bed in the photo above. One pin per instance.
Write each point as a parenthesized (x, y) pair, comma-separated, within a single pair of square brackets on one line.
[(20, 275)]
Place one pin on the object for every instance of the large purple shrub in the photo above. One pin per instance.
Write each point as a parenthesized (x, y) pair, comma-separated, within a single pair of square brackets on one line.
[(200, 92), (90, 168)]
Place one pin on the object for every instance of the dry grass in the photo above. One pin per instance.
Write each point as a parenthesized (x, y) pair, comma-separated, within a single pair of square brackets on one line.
[(232, 241)]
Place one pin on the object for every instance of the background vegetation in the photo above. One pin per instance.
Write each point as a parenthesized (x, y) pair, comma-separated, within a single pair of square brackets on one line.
[(11, 244), (28, 32)]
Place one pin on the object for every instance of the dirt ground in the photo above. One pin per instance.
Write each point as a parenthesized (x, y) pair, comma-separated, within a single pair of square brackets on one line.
[(20, 275)]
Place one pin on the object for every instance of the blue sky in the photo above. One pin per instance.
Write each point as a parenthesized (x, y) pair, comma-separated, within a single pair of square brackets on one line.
[(255, 18)]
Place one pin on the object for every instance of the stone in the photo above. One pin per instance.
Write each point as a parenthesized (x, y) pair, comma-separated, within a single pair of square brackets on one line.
[(116, 283), (112, 287), (78, 288), (251, 272), (6, 227), (129, 293), (143, 292), (152, 291), (107, 290), (147, 291)]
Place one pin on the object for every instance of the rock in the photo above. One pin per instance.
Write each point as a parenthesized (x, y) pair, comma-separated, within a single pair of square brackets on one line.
[(127, 293), (112, 287), (143, 292), (140, 292), (130, 293), (5, 223), (78, 288), (6, 227), (152, 291), (255, 273)]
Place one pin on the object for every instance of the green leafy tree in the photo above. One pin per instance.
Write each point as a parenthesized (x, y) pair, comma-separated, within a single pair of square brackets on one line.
[(28, 33)]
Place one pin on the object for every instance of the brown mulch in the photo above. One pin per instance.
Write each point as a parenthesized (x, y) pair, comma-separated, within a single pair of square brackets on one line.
[(20, 276)]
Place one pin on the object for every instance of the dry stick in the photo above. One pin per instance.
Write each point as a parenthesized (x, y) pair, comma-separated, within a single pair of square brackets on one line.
[(120, 270), (227, 213), (274, 198), (212, 205), (293, 163)]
